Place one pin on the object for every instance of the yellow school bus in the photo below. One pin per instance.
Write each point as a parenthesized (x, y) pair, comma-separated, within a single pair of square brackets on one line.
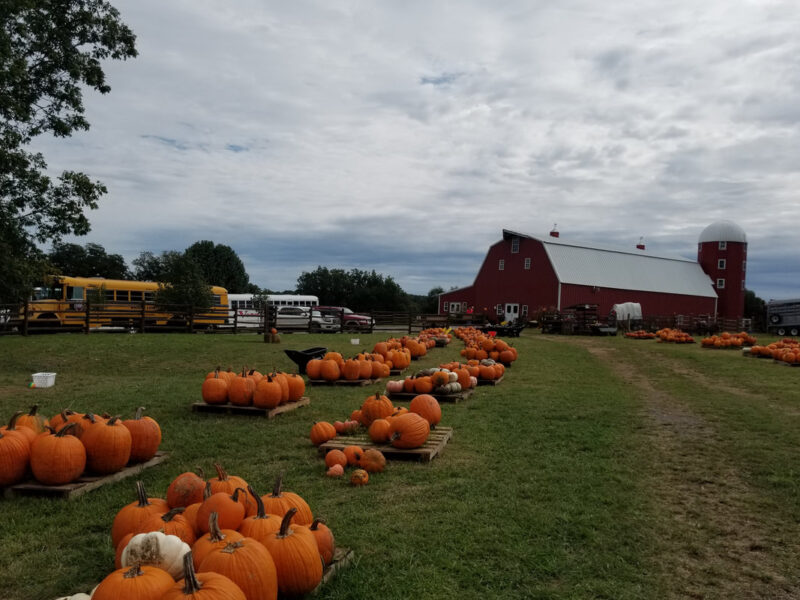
[(62, 301)]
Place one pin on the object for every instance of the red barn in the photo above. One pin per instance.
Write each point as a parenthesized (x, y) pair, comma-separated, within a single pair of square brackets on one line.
[(522, 274)]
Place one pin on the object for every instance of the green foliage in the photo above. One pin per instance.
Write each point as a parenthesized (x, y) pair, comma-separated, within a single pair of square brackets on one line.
[(220, 265), (356, 289), (183, 283), (49, 53), (88, 261), (756, 309)]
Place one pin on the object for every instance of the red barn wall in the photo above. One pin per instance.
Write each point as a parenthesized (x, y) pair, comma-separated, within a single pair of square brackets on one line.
[(653, 303)]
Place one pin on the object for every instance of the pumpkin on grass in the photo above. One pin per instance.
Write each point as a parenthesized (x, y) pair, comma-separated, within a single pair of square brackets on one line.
[(155, 549), (279, 502), (321, 432), (130, 517), (202, 586), (359, 477), (325, 541), (140, 582), (335, 457), (296, 556), (248, 564), (15, 454), (145, 436), (58, 458), (373, 461), (353, 454), (187, 488)]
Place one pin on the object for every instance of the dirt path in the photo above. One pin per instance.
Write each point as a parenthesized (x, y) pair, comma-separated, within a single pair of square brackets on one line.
[(718, 537)]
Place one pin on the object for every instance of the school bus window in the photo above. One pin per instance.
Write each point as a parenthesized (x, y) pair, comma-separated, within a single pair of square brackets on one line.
[(217, 300), (109, 295), (74, 293), (136, 296), (149, 296), (122, 295)]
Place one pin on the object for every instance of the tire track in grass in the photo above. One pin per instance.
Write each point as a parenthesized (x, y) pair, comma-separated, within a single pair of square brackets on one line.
[(718, 537)]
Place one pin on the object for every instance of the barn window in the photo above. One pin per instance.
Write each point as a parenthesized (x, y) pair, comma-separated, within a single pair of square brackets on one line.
[(500, 309), (744, 266), (514, 245), (721, 264), (501, 265), (463, 307), (527, 264), (445, 306), (720, 284), (723, 245), (524, 310)]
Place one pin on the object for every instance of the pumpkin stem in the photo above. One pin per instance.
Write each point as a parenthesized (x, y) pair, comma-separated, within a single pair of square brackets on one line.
[(214, 532), (200, 472), (33, 410), (190, 582), (222, 475), (63, 431), (140, 493), (134, 571), (261, 513), (276, 489), (113, 420), (315, 524), (235, 495), (232, 547), (168, 516), (287, 518), (207, 491), (12, 424), (139, 413)]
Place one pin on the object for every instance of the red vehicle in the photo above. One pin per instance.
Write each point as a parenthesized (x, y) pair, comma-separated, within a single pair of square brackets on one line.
[(350, 320)]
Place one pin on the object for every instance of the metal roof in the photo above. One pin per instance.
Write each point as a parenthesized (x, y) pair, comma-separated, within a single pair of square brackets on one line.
[(638, 270)]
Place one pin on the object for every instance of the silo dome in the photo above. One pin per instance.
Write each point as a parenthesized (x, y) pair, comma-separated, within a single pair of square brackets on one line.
[(723, 231)]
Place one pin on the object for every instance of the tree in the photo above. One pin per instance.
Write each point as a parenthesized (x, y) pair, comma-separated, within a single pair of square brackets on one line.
[(220, 265), (756, 309), (356, 289), (149, 267), (50, 51), (88, 261), (183, 283)]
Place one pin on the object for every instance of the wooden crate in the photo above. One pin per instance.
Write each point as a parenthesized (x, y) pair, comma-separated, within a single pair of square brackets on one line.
[(342, 557), (490, 381), (436, 442), (83, 484), (355, 382), (253, 411), (453, 398)]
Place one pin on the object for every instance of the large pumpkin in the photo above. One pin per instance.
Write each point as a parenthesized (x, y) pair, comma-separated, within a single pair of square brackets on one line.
[(321, 432), (261, 524), (374, 407), (279, 502), (170, 523), (58, 458), (108, 446), (187, 488), (427, 407), (248, 564), (131, 516), (145, 436), (215, 538), (15, 453), (202, 586), (268, 393), (230, 510), (296, 556), (33, 420), (140, 582), (409, 430), (215, 389)]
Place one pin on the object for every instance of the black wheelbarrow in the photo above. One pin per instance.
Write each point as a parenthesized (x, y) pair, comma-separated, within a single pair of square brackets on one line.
[(301, 357)]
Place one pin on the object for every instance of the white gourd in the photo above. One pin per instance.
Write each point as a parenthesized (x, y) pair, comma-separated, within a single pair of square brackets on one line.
[(156, 549)]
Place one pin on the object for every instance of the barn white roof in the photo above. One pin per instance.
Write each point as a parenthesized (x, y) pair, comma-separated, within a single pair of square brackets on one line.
[(583, 264)]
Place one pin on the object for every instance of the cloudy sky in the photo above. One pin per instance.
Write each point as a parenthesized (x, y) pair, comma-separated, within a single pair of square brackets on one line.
[(404, 136)]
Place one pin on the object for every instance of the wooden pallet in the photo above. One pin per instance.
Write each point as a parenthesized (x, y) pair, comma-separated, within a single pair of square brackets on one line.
[(254, 411), (490, 381), (83, 484), (408, 396), (783, 362), (395, 372), (436, 442), (356, 382), (342, 557)]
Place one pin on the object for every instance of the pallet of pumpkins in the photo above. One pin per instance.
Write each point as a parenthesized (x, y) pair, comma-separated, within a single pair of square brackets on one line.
[(59, 450), (334, 367), (219, 536), (251, 388)]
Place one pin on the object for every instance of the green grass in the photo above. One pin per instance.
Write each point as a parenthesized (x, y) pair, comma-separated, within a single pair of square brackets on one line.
[(544, 491)]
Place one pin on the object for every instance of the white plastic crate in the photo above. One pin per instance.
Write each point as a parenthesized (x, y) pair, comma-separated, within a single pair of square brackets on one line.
[(355, 341), (43, 380)]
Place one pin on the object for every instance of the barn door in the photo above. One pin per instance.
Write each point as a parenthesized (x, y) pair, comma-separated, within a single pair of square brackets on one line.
[(512, 312)]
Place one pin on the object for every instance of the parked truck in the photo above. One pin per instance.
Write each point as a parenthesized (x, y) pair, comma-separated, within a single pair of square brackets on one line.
[(783, 317)]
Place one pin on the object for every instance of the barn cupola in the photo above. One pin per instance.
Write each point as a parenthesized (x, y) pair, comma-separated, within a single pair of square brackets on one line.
[(722, 254), (640, 245), (554, 231)]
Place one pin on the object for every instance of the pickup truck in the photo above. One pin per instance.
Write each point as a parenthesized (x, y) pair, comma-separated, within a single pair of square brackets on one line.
[(297, 318), (350, 320)]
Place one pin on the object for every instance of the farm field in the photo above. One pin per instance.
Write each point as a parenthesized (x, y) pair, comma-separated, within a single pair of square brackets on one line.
[(599, 468)]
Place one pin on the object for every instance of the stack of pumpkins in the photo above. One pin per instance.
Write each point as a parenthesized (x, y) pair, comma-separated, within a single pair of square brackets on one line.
[(446, 379), (251, 388), (216, 535), (333, 367), (57, 451), (479, 346)]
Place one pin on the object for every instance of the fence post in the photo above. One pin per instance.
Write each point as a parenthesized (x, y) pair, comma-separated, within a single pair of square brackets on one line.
[(235, 321), (190, 322), (142, 319), (265, 309), (409, 323), (88, 312), (25, 319)]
